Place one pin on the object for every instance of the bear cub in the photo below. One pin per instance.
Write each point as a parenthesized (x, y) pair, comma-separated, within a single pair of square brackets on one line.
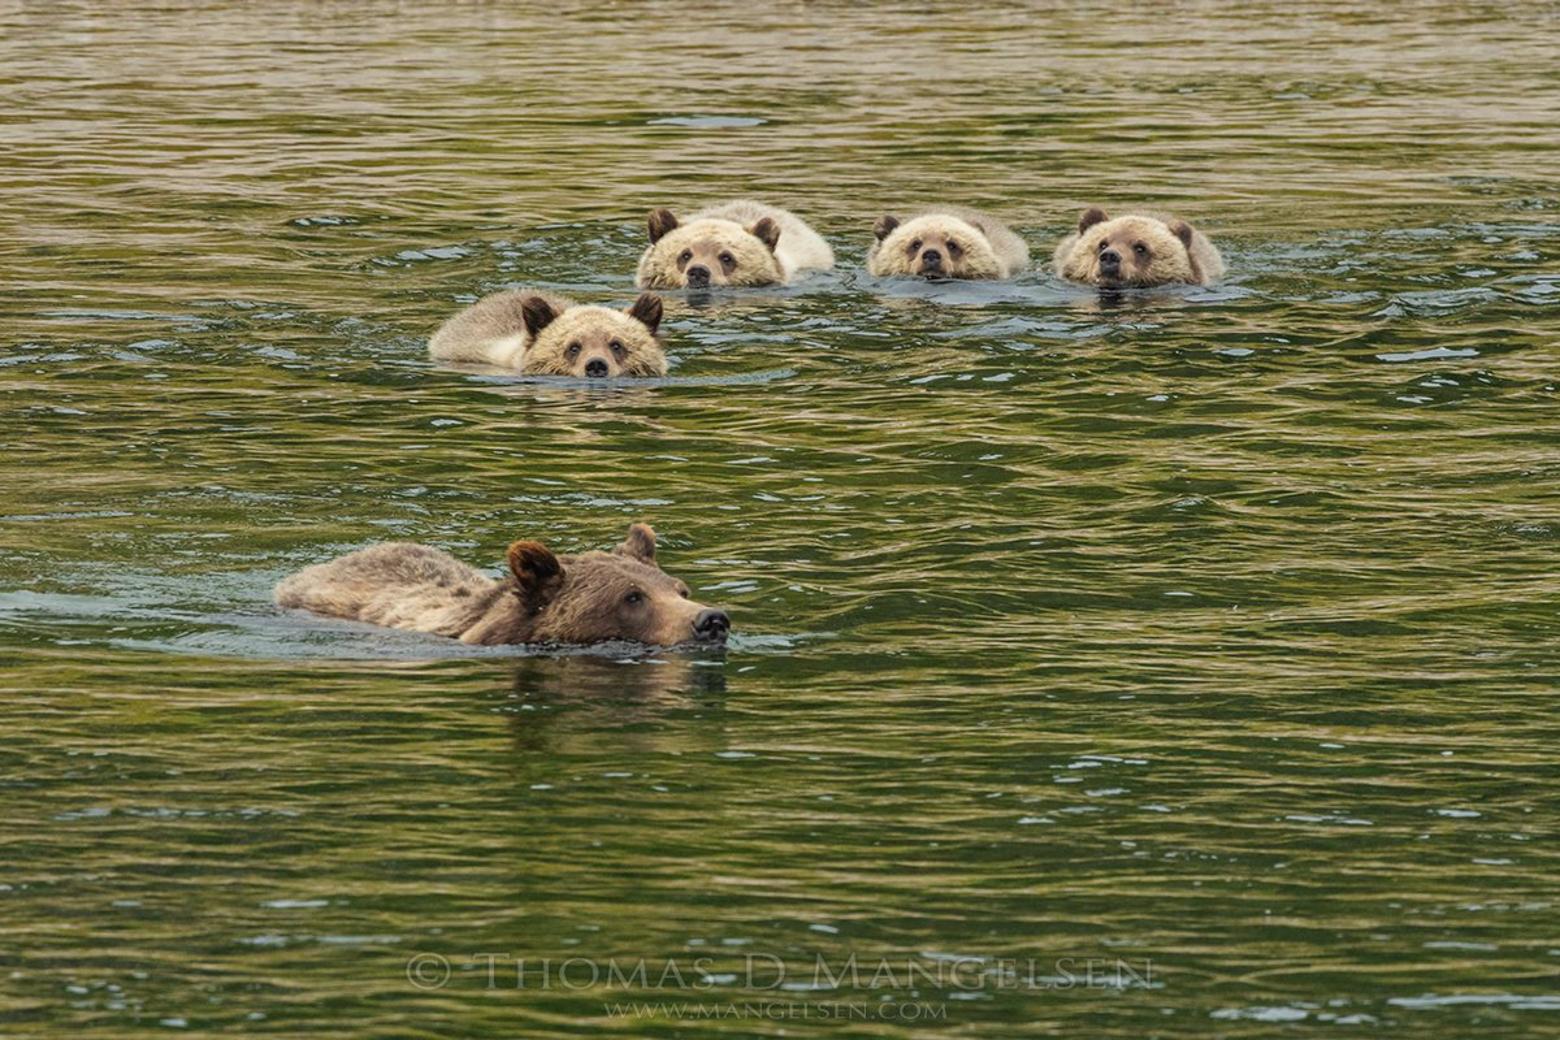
[(1136, 251), (741, 243), (947, 242), (546, 335), (590, 597)]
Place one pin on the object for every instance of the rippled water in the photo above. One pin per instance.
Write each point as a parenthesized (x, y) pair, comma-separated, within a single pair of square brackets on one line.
[(1209, 637)]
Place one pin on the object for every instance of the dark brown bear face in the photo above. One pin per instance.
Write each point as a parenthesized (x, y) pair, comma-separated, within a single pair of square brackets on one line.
[(597, 597)]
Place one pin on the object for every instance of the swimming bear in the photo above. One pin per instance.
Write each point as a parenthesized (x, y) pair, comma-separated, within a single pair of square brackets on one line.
[(741, 243), (548, 335), (1138, 250), (589, 597), (946, 242)]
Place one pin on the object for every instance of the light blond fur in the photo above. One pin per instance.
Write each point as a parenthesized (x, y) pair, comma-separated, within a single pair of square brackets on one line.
[(1154, 249), (739, 243), (544, 334), (966, 243), (588, 597)]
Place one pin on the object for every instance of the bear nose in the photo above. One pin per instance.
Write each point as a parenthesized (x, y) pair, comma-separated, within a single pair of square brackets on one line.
[(698, 276), (712, 625), (1110, 258), (931, 258), (596, 368)]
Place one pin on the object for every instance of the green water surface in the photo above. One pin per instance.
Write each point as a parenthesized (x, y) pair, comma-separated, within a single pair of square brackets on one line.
[(1178, 666)]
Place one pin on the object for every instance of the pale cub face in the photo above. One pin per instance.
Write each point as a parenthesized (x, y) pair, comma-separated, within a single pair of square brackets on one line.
[(593, 342), (933, 246), (709, 253), (1130, 252)]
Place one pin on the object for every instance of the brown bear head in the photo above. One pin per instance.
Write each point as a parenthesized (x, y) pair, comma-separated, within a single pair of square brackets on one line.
[(709, 252), (592, 342), (934, 245), (1131, 252), (596, 597)]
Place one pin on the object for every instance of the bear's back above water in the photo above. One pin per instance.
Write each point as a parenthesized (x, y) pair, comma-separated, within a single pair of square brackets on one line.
[(589, 597), (738, 243)]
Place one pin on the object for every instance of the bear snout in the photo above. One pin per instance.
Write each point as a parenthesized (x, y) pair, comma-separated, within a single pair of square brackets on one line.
[(596, 368), (698, 276), (931, 260), (712, 626)]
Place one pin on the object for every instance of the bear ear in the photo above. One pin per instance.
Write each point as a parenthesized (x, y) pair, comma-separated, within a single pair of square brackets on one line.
[(885, 226), (537, 570), (767, 232), (661, 222), (640, 544), (1183, 231), (1091, 216), (537, 313), (647, 311)]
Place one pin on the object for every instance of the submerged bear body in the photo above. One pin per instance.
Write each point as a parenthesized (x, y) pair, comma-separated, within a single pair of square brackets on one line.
[(946, 242), (1138, 250), (544, 334), (740, 243), (589, 597)]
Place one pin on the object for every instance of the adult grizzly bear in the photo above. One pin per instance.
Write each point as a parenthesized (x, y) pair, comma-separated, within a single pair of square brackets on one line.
[(589, 597)]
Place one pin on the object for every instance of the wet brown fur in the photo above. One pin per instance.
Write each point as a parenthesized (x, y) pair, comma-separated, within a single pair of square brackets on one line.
[(546, 598)]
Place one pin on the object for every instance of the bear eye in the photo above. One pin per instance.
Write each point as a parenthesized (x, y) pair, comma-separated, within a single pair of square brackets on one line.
[(728, 260), (1140, 249), (618, 349), (954, 249), (634, 597), (682, 590), (687, 254), (573, 351), (915, 246), (1104, 244)]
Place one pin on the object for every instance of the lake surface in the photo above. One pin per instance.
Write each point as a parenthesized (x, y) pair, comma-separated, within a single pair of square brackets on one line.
[(1177, 667)]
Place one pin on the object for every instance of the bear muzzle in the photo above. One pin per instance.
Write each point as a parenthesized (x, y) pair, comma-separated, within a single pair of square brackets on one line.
[(698, 277), (597, 368), (712, 626), (932, 263)]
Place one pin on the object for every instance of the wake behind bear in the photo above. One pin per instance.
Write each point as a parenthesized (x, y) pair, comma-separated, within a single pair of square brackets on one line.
[(590, 597)]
